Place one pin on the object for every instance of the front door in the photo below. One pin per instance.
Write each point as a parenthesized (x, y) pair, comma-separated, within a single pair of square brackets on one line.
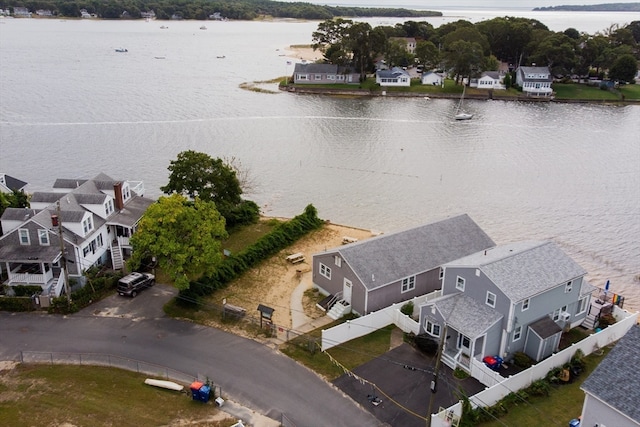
[(464, 344), (346, 290)]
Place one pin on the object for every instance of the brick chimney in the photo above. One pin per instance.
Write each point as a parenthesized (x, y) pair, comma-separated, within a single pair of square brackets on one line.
[(117, 194)]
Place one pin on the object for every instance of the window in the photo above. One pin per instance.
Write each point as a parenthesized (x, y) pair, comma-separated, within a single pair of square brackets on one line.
[(517, 333), (491, 299), (87, 225), (432, 329), (556, 315), (108, 207), (318, 76), (325, 271), (460, 283), (24, 236), (568, 287), (408, 283), (582, 305), (43, 236), (525, 304), (477, 272), (441, 274), (338, 261)]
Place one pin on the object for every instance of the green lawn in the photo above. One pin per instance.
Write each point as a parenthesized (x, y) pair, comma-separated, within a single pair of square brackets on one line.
[(561, 406), (576, 91), (43, 395)]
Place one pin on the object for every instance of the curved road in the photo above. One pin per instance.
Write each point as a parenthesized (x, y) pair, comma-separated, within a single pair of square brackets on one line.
[(249, 373)]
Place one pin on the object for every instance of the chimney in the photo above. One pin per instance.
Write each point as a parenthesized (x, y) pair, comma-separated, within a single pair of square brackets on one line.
[(117, 194), (54, 220)]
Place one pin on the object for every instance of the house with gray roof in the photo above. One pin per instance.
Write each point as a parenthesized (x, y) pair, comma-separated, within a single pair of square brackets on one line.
[(396, 76), (94, 218), (612, 391), (534, 81), (312, 73), (511, 298), (9, 184), (372, 274)]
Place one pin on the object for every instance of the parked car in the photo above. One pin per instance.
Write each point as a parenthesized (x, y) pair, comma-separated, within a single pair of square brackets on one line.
[(131, 284)]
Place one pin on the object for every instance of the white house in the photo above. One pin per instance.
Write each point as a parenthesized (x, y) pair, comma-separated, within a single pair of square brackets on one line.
[(393, 77), (408, 42), (489, 80), (432, 78), (8, 184), (534, 81), (94, 218)]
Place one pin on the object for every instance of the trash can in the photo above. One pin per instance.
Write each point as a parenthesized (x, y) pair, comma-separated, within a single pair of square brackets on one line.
[(195, 389), (204, 393), (574, 423)]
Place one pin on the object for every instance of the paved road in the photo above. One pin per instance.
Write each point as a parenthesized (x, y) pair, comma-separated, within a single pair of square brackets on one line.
[(249, 373)]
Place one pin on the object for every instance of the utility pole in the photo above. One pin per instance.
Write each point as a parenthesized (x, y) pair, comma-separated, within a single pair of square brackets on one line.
[(434, 381), (58, 221)]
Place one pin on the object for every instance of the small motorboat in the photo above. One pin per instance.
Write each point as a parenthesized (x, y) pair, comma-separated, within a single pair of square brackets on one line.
[(121, 50), (204, 27), (221, 57)]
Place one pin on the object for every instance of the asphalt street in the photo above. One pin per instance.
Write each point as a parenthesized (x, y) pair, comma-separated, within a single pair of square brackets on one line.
[(249, 373)]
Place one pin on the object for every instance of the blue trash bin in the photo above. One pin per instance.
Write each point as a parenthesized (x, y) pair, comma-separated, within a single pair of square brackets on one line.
[(204, 393), (574, 423)]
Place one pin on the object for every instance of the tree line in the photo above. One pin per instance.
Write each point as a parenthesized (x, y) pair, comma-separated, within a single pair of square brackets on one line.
[(465, 49), (203, 9)]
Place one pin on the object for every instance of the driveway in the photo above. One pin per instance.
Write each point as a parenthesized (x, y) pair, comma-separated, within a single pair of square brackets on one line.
[(249, 373), (404, 376)]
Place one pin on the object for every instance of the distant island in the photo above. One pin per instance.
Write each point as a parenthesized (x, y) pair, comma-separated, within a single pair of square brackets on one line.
[(606, 7)]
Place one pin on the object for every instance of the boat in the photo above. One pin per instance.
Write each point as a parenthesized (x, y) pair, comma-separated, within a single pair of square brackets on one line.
[(169, 385), (203, 27), (460, 113), (164, 27), (221, 56), (121, 49)]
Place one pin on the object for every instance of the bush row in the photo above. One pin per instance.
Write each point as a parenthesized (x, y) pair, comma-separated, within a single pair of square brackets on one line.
[(232, 267), (16, 303)]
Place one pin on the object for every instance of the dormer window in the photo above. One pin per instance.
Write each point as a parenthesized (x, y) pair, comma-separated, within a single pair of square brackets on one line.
[(460, 284), (24, 236), (108, 207), (43, 236), (87, 225)]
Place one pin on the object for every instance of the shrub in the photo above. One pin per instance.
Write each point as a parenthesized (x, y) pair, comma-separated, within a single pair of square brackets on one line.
[(16, 304), (606, 320), (427, 344), (521, 360), (460, 374), (539, 388), (26, 290), (407, 309)]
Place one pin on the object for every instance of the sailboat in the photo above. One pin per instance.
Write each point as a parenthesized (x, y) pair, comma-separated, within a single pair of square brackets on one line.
[(460, 113)]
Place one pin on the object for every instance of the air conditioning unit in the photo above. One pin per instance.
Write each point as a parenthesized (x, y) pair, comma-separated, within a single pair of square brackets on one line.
[(564, 316)]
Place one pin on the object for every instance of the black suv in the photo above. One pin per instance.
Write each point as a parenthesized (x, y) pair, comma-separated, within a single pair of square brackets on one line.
[(133, 283)]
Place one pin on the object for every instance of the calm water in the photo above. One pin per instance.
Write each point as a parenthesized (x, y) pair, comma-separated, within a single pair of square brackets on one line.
[(70, 106)]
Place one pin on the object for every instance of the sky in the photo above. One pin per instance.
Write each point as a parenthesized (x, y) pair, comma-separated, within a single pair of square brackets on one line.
[(463, 4)]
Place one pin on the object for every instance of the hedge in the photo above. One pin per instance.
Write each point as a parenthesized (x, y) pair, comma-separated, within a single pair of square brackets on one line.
[(282, 236), (16, 304)]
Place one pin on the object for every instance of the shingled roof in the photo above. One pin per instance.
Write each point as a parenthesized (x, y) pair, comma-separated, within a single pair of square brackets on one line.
[(616, 380), (387, 258)]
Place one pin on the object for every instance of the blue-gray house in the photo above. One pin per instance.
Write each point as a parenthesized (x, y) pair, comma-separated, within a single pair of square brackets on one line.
[(375, 273), (511, 298)]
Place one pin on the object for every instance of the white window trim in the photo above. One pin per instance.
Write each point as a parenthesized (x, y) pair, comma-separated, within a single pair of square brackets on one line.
[(325, 271), (556, 315), (338, 261), (460, 282), (430, 327), (488, 299), (517, 333), (526, 304), (43, 237), (568, 287), (410, 283), (582, 305), (23, 232)]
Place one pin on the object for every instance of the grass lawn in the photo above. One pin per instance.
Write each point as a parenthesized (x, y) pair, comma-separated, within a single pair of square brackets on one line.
[(306, 350), (39, 395), (576, 91), (562, 405)]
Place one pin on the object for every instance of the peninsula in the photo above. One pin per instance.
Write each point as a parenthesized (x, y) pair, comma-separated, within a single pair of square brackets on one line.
[(605, 7)]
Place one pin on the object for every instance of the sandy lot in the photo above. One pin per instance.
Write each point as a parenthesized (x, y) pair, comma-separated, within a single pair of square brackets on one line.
[(273, 282), (301, 52)]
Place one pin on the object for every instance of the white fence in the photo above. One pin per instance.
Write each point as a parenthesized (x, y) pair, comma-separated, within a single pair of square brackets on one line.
[(499, 390), (364, 325)]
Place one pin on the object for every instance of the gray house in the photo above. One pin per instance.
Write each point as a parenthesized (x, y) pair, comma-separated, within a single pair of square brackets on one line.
[(612, 391), (373, 274), (9, 184), (311, 73), (95, 219), (534, 81), (511, 298)]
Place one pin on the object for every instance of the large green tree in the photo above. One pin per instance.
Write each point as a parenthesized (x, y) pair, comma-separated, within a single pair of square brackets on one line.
[(464, 59), (198, 175), (428, 54), (624, 69), (184, 237)]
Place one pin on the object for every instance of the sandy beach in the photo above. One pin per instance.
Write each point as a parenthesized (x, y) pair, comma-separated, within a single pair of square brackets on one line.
[(303, 52)]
